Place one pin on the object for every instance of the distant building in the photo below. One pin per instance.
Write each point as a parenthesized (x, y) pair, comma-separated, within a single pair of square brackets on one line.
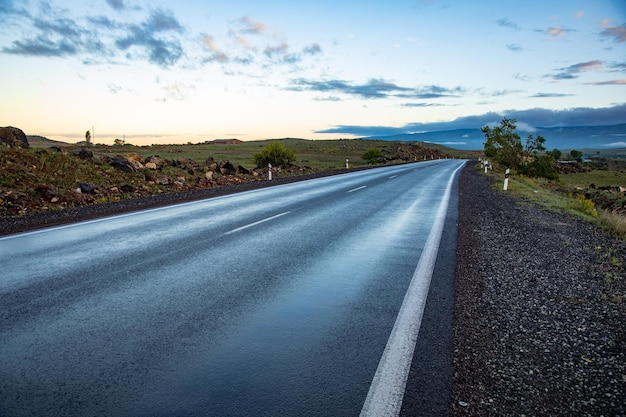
[(223, 142)]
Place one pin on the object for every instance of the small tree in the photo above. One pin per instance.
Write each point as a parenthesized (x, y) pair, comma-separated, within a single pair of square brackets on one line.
[(276, 154), (577, 155), (503, 145), (373, 156), (88, 137)]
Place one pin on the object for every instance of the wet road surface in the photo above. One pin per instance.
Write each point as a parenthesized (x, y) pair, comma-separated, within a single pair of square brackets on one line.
[(279, 301)]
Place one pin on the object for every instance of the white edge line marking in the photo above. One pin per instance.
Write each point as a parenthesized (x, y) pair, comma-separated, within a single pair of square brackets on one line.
[(255, 223), (358, 188), (392, 177), (387, 390)]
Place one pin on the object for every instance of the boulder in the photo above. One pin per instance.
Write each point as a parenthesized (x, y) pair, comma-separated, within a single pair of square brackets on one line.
[(83, 154), (13, 137), (243, 170), (210, 164), (119, 162), (151, 165), (87, 188), (185, 163), (226, 168), (156, 160), (127, 188), (134, 156)]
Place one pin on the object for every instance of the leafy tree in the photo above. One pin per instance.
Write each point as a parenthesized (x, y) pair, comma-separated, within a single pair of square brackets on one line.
[(503, 145), (118, 142), (556, 154), (276, 154), (373, 156), (577, 155), (542, 166), (87, 137)]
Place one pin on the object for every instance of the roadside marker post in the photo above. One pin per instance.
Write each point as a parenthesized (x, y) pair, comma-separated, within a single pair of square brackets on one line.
[(347, 166), (269, 171), (506, 179)]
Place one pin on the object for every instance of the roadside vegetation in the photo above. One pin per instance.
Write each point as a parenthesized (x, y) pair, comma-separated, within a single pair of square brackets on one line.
[(49, 175), (593, 189)]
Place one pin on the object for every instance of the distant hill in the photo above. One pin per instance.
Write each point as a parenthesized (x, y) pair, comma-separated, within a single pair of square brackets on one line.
[(43, 142), (563, 138)]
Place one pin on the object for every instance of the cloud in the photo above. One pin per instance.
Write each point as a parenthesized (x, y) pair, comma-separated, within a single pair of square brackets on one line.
[(506, 23), (247, 25), (572, 71), (555, 31), (616, 33), (421, 105), (217, 55), (160, 51), (312, 49), (53, 33), (176, 91), (117, 5), (550, 95), (513, 47), (374, 89), (529, 119), (616, 145), (611, 82)]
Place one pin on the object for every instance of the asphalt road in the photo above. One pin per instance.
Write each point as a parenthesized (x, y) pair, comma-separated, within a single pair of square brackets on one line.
[(275, 302)]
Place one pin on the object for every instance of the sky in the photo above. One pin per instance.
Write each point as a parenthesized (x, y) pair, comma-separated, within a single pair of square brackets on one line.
[(183, 71)]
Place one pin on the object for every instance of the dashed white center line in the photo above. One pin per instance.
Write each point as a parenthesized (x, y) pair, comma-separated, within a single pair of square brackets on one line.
[(357, 189), (392, 177), (256, 223)]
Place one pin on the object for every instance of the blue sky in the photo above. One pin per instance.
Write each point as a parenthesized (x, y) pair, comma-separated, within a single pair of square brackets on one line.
[(189, 71)]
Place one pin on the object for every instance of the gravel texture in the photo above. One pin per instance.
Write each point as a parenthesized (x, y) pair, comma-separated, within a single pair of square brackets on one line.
[(539, 309), (539, 325)]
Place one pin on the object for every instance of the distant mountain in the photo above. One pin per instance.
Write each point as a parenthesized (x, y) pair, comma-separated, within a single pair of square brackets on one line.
[(563, 138)]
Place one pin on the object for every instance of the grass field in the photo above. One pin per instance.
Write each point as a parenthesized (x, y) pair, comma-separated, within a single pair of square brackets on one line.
[(318, 154)]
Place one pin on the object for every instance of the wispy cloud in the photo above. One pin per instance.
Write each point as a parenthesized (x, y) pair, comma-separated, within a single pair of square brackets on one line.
[(555, 31), (257, 48), (155, 36), (117, 5), (573, 71), (615, 33), (247, 25), (506, 23), (550, 95), (163, 51), (374, 88), (513, 47), (611, 82), (55, 34)]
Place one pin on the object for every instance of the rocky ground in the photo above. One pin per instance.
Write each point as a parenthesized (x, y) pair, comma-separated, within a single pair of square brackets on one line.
[(539, 307)]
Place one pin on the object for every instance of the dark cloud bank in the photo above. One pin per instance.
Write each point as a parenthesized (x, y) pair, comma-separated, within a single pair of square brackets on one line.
[(563, 129)]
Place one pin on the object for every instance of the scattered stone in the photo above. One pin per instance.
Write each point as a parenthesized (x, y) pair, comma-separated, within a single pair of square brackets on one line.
[(83, 154)]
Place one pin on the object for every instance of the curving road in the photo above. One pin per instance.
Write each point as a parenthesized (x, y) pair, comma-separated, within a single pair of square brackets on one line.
[(285, 301)]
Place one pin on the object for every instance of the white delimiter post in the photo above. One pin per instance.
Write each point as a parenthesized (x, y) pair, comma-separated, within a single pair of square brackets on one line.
[(347, 166), (506, 179), (269, 172)]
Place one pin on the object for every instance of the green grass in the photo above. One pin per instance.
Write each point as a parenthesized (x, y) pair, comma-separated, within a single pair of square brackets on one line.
[(599, 178), (568, 195)]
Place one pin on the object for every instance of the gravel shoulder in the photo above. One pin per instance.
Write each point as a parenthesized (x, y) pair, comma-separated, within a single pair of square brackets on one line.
[(539, 309), (540, 302)]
